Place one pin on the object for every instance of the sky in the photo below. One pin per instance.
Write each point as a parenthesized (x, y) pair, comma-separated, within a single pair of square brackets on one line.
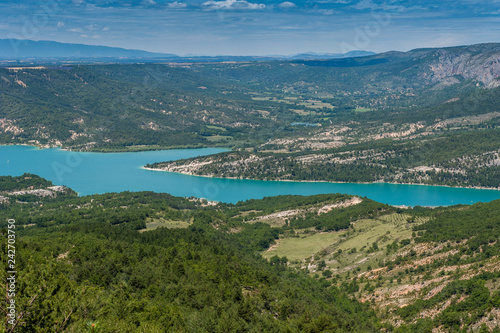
[(254, 27)]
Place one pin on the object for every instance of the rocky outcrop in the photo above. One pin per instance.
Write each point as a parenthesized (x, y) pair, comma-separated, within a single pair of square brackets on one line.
[(7, 125), (49, 192), (477, 62), (38, 192)]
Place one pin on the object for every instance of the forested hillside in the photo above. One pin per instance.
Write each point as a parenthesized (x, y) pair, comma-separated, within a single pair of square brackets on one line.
[(453, 159), (247, 104), (134, 262), (83, 265)]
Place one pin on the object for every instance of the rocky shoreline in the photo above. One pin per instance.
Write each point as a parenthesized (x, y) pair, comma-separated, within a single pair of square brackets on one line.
[(190, 173)]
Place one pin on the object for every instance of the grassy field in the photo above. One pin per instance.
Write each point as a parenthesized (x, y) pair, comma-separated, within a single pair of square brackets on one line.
[(306, 245), (316, 104), (262, 98), (345, 250), (157, 223), (304, 112), (215, 138), (216, 128), (362, 109), (312, 104)]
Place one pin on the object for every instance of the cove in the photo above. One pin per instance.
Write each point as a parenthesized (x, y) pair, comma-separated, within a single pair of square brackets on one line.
[(91, 173)]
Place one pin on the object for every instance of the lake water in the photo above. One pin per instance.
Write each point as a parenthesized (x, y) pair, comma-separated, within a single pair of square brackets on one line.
[(89, 173)]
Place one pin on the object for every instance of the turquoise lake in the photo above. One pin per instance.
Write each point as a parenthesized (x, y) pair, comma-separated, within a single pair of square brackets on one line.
[(89, 173)]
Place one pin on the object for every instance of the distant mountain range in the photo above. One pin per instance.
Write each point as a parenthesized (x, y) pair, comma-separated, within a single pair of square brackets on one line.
[(28, 50), (314, 56), (24, 49)]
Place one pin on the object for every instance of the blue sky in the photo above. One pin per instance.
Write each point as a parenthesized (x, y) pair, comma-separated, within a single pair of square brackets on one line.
[(254, 27)]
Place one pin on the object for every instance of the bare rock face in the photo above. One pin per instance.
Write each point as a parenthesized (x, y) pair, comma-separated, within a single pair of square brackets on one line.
[(478, 62)]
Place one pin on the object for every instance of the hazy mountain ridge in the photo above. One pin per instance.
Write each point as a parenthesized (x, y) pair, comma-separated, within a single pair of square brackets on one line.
[(314, 55), (19, 49), (42, 51)]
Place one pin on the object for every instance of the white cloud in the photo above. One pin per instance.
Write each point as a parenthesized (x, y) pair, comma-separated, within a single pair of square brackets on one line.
[(75, 30), (287, 4), (92, 27), (369, 4), (366, 4), (105, 29), (327, 11), (60, 24), (177, 5), (343, 2), (232, 4)]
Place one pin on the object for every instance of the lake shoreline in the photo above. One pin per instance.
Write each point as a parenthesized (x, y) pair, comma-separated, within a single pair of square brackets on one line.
[(131, 149), (325, 181), (190, 174), (91, 173), (150, 149)]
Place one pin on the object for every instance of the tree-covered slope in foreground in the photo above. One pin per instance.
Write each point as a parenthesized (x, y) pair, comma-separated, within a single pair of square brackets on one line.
[(149, 262), (82, 265)]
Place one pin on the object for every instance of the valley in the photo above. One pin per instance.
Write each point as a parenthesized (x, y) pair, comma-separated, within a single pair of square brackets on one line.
[(420, 117), (252, 194)]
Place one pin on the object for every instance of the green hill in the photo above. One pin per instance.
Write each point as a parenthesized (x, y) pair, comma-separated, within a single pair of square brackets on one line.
[(241, 104), (135, 262)]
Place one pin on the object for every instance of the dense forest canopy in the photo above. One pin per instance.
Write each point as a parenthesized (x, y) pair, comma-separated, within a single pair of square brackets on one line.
[(119, 261)]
